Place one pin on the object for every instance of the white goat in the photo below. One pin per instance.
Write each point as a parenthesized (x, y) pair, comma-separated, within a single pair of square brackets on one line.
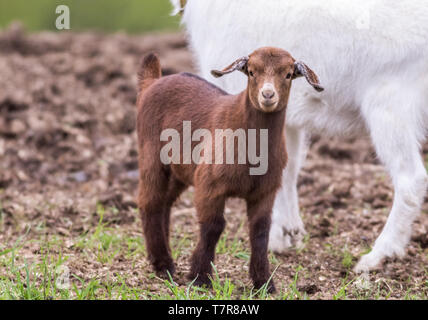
[(372, 58)]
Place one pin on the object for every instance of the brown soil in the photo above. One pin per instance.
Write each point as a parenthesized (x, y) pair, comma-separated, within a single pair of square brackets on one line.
[(67, 141)]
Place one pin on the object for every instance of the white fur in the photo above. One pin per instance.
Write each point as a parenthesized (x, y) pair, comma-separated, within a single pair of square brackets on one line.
[(372, 59), (177, 7)]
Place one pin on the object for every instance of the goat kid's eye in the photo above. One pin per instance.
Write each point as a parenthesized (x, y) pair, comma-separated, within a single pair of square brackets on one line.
[(288, 76), (251, 73)]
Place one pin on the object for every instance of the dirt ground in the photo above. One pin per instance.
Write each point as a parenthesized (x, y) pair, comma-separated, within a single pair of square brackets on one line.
[(68, 165)]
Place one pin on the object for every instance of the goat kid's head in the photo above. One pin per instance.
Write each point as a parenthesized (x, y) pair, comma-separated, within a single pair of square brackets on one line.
[(270, 72)]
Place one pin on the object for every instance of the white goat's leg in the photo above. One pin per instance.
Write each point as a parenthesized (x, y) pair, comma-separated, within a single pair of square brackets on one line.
[(394, 131), (287, 228)]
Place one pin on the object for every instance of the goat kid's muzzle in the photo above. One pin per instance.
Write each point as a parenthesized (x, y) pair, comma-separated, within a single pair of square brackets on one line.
[(268, 97)]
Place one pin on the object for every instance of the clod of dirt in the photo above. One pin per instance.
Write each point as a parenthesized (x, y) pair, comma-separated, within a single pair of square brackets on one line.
[(310, 289)]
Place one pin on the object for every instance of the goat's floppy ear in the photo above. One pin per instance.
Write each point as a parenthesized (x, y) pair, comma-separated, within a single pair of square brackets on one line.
[(301, 69), (240, 64)]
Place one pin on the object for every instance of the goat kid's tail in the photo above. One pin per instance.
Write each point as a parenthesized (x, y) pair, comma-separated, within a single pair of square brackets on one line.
[(150, 71)]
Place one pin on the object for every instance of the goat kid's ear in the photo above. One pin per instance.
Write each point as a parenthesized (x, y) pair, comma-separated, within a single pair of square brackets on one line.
[(240, 65), (302, 70)]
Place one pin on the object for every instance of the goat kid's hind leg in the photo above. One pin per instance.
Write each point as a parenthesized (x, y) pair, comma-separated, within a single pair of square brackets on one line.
[(394, 125), (287, 228), (259, 216), (175, 188), (212, 223), (154, 214)]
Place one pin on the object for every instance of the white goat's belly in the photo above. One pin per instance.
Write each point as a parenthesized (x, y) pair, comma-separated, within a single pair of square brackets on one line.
[(325, 119)]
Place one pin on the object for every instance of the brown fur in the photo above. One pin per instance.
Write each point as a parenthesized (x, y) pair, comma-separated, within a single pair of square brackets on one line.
[(167, 102)]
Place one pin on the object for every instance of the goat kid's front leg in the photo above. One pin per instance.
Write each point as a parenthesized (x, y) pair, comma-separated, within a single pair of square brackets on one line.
[(212, 223), (259, 215)]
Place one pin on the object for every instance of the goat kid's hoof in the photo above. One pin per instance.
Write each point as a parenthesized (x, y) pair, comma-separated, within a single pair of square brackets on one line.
[(165, 272), (270, 287), (200, 281)]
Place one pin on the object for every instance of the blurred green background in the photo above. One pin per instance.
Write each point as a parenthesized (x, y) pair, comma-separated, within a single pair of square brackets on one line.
[(133, 16)]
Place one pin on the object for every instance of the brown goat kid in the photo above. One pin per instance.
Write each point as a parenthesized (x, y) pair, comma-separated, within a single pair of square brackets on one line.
[(164, 103)]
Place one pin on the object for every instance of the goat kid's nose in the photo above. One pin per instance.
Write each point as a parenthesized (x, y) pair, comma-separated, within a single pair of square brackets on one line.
[(268, 91), (268, 94)]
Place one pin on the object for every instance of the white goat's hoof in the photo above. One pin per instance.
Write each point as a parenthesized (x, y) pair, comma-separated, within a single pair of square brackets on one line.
[(383, 248), (281, 239), (368, 262)]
